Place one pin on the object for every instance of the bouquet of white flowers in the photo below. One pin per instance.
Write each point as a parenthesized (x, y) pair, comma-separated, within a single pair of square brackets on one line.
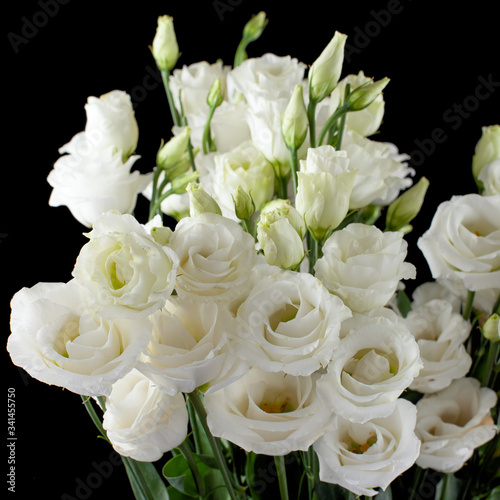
[(258, 320)]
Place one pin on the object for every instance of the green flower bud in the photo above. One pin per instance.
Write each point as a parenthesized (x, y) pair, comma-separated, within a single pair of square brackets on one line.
[(215, 95), (283, 209), (161, 234), (362, 96), (254, 28), (487, 149), (200, 201), (280, 242), (178, 185), (244, 206), (325, 71), (295, 124), (165, 49), (405, 208), (491, 329), (174, 150)]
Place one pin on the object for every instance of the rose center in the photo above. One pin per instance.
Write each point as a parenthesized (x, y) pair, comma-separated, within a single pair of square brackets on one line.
[(283, 315), (358, 448), (371, 366), (277, 406)]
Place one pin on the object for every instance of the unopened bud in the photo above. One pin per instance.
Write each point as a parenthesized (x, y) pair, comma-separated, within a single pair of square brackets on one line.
[(178, 185), (487, 149), (283, 209), (362, 96), (165, 49), (405, 208), (295, 124), (254, 28), (215, 96), (200, 201), (491, 329), (325, 71), (174, 150), (244, 206)]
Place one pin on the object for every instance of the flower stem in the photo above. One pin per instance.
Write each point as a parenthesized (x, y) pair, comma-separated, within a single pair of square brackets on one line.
[(281, 469), (208, 144), (173, 110), (216, 449), (341, 110), (338, 144), (468, 305), (311, 116), (294, 164), (186, 452)]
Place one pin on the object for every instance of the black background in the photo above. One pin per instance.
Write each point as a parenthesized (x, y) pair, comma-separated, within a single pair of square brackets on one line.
[(59, 53)]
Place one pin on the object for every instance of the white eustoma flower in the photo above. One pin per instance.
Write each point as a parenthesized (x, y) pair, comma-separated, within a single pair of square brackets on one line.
[(191, 84), (362, 457), (269, 77), (60, 342), (363, 265), (111, 122), (124, 272), (269, 413), (376, 360), (290, 322), (91, 181), (190, 345), (462, 243), (381, 172), (440, 333), (431, 290), (453, 422), (216, 257), (143, 422), (325, 182), (490, 177), (243, 166)]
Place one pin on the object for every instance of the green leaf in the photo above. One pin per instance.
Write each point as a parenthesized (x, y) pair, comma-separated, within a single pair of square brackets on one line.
[(179, 475), (404, 303), (175, 494), (145, 480)]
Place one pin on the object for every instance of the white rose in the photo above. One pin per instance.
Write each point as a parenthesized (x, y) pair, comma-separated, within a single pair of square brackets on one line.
[(190, 345), (243, 166), (59, 342), (269, 413), (463, 241), (440, 333), (290, 323), (366, 121), (123, 270), (216, 257), (91, 181), (376, 360), (361, 457), (143, 422), (452, 423), (490, 177), (228, 126), (363, 265), (381, 172), (268, 77), (111, 122), (194, 83)]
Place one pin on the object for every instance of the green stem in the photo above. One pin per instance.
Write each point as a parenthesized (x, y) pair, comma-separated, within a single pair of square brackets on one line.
[(294, 163), (186, 452), (154, 194), (157, 204), (493, 352), (311, 116), (338, 144), (208, 144), (468, 305), (173, 110), (281, 470), (341, 110), (216, 449)]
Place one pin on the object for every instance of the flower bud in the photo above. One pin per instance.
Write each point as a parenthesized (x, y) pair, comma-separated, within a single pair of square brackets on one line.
[(491, 329), (405, 208), (280, 242), (362, 96), (200, 201), (215, 95), (254, 28), (325, 71), (487, 149), (178, 185), (295, 124), (244, 206), (279, 208), (161, 234), (165, 49), (173, 151)]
